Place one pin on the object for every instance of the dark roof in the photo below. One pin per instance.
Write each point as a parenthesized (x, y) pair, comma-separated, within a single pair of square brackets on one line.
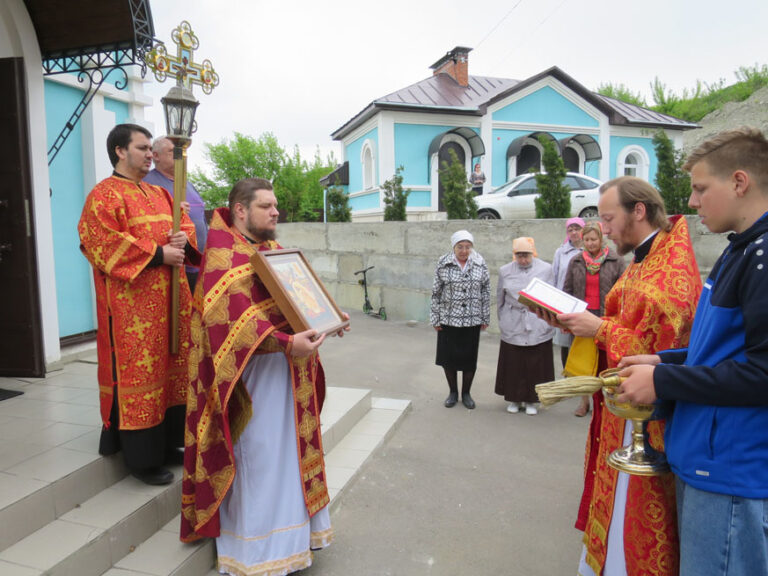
[(78, 28), (441, 93)]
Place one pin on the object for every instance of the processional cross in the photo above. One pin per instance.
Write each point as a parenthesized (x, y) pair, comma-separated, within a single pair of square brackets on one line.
[(180, 106)]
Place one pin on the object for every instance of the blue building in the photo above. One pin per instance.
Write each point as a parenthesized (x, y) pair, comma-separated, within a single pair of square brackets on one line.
[(493, 121), (70, 73)]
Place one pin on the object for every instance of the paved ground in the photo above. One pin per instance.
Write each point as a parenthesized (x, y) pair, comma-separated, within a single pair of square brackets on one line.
[(453, 491)]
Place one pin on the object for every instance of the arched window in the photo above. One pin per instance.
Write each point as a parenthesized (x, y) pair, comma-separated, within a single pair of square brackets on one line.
[(633, 161), (369, 166)]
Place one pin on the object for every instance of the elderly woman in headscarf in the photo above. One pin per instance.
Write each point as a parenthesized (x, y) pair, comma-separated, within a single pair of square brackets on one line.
[(460, 309), (563, 255), (525, 353)]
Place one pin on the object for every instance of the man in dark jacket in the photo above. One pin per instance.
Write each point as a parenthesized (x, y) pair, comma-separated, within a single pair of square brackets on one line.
[(717, 438)]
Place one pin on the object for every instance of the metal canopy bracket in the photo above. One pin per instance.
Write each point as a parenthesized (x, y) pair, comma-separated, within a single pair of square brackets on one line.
[(91, 62)]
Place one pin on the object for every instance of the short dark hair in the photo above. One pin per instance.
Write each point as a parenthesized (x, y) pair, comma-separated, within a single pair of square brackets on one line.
[(120, 136), (633, 190), (243, 191)]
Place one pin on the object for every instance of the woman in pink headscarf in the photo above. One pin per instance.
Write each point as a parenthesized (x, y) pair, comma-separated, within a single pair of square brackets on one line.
[(563, 255)]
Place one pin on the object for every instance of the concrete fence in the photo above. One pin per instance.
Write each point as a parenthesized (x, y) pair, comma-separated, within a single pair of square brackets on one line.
[(405, 254)]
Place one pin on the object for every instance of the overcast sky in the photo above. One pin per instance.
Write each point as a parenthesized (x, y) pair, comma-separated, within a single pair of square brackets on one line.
[(302, 69)]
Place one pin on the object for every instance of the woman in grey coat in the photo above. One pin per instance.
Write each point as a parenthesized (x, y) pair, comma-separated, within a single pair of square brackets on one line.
[(525, 353), (563, 255), (460, 309)]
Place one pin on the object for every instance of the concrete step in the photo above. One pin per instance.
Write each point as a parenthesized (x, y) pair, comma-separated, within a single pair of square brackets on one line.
[(164, 556), (92, 516)]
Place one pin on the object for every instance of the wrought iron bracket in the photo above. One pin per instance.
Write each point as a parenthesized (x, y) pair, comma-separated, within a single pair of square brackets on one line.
[(97, 63)]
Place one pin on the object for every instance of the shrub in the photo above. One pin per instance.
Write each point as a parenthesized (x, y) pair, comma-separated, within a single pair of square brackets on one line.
[(395, 198), (554, 199), (458, 197)]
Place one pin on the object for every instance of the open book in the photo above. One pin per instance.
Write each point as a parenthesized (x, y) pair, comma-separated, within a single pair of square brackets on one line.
[(539, 294)]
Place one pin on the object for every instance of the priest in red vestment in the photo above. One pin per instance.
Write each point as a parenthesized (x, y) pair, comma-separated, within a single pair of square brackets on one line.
[(254, 472), (629, 522), (126, 234)]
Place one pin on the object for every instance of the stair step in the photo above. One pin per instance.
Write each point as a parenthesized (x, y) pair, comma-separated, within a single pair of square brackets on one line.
[(95, 519)]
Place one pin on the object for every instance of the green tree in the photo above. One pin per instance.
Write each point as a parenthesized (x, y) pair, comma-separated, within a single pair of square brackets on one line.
[(621, 92), (235, 159), (458, 198), (554, 199), (395, 198), (672, 181), (338, 204)]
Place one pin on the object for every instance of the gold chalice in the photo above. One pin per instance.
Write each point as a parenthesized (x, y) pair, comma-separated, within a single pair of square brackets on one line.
[(639, 458)]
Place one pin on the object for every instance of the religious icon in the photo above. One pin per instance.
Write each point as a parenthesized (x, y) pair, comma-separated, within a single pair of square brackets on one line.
[(298, 292)]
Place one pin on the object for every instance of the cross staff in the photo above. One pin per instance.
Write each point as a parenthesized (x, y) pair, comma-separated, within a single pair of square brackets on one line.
[(180, 106)]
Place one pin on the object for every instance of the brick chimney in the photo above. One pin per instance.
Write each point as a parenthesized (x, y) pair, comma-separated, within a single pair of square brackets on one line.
[(455, 63)]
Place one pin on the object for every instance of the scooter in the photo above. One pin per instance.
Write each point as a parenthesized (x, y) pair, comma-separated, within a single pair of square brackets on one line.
[(367, 307)]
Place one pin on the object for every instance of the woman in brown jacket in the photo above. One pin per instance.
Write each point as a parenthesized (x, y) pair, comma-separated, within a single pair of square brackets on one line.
[(591, 275)]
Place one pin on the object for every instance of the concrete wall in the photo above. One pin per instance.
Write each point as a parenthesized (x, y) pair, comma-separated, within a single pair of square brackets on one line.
[(405, 254)]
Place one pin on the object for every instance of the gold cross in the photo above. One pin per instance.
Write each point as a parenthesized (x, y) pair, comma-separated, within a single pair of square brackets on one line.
[(182, 66)]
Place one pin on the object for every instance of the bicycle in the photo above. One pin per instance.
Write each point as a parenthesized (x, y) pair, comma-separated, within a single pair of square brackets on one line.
[(367, 307)]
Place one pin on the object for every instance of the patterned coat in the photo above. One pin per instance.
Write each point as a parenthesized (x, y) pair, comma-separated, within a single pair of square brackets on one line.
[(461, 298)]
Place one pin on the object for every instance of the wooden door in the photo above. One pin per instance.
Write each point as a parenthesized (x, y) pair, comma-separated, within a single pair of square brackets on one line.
[(21, 345)]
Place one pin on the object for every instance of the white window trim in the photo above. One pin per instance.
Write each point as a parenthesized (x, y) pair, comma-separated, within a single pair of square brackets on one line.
[(576, 147), (368, 147), (433, 164), (642, 167), (512, 162)]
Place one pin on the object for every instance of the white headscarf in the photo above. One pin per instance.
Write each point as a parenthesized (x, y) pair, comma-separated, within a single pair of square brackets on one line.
[(460, 235)]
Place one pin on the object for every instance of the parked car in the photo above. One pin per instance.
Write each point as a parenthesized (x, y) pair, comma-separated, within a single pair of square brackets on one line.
[(515, 199)]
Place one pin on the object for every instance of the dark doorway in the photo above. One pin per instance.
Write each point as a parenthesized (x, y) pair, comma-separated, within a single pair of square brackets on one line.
[(444, 156), (529, 157), (21, 345), (571, 160)]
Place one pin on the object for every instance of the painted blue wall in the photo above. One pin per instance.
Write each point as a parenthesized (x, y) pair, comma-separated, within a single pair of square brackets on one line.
[(618, 143), (352, 152), (365, 202), (545, 106), (420, 199), (73, 273)]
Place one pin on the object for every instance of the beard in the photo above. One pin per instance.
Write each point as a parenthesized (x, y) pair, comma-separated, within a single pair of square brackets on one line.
[(262, 235), (623, 247)]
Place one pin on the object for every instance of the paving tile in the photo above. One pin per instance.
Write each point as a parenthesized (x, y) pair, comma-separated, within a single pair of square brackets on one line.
[(88, 442), (386, 416), (57, 434), (366, 426), (346, 458), (390, 403), (13, 453), (16, 428), (159, 555), (14, 488), (50, 545), (52, 465), (79, 486), (107, 508), (338, 477), (8, 569), (354, 441)]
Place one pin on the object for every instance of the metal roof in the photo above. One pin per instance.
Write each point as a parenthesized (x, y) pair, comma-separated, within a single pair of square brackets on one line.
[(441, 93)]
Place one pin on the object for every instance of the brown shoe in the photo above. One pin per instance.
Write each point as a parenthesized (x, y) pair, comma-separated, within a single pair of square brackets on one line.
[(582, 410)]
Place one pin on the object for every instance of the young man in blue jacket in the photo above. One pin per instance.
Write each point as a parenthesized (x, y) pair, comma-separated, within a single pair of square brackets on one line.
[(717, 438)]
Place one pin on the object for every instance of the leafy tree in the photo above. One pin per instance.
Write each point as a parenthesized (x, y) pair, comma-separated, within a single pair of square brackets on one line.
[(235, 159), (554, 199), (338, 204), (672, 181), (621, 92), (395, 198), (458, 197)]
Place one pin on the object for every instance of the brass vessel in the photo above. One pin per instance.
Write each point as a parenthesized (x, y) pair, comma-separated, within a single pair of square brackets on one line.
[(639, 458)]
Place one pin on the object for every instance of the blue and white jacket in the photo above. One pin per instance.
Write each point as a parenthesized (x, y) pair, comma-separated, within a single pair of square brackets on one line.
[(717, 437)]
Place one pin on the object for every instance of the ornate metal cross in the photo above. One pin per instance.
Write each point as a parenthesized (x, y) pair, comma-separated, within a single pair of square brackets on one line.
[(183, 66)]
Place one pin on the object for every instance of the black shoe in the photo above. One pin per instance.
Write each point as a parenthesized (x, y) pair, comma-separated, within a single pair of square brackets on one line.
[(453, 397), (174, 457), (156, 476), (466, 399)]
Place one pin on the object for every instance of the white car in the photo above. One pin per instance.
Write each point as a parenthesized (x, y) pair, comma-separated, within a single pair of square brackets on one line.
[(515, 199)]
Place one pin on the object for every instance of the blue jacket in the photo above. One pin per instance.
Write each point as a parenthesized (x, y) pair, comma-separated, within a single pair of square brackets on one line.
[(717, 437)]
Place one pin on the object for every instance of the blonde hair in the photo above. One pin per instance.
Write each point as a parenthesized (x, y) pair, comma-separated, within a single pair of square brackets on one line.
[(593, 227), (633, 190), (744, 148)]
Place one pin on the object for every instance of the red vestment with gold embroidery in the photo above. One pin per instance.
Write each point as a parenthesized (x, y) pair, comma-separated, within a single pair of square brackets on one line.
[(234, 317), (649, 309), (122, 224)]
